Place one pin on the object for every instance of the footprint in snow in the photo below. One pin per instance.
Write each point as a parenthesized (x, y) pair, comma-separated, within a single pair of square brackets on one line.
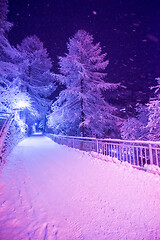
[(48, 232)]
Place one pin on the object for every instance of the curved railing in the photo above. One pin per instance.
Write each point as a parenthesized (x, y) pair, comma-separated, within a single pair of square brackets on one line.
[(137, 153), (4, 118), (5, 122)]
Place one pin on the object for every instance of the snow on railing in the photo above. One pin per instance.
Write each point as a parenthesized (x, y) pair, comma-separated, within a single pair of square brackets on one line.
[(136, 152), (8, 118), (4, 117)]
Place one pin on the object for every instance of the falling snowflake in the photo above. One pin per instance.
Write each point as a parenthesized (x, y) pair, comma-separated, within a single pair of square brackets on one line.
[(94, 12), (131, 59), (136, 24)]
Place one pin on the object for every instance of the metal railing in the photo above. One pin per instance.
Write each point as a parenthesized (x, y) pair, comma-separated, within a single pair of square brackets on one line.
[(8, 118), (4, 118), (137, 153)]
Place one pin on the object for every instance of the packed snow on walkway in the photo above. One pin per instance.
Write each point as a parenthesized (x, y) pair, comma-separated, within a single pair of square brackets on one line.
[(52, 192)]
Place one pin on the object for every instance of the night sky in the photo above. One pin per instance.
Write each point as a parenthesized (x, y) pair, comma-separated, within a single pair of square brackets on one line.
[(128, 30)]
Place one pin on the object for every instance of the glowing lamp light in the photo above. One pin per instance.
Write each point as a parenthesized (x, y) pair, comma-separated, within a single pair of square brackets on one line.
[(21, 104)]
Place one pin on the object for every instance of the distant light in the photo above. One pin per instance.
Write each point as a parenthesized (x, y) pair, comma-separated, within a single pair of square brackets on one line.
[(122, 110)]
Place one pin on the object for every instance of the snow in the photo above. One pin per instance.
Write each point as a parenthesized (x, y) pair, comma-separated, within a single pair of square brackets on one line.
[(49, 191), (94, 12), (80, 108)]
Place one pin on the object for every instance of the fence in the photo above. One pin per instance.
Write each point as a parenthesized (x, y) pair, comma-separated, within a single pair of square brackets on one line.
[(137, 153), (6, 120)]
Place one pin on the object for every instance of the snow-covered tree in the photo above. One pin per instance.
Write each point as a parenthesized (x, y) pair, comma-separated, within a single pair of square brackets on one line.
[(35, 73), (154, 114), (134, 128), (81, 109), (131, 129), (8, 68), (10, 94), (154, 120), (7, 52), (4, 24)]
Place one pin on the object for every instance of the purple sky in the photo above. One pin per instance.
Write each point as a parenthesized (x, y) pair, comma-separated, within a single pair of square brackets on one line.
[(129, 31)]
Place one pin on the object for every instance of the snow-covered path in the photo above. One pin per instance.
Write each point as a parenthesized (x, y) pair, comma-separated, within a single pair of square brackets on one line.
[(51, 192)]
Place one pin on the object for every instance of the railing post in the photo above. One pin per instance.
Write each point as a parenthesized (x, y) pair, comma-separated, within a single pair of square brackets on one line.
[(97, 145), (150, 154), (0, 149)]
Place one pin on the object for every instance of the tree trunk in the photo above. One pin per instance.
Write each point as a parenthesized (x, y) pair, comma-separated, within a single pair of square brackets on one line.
[(82, 111)]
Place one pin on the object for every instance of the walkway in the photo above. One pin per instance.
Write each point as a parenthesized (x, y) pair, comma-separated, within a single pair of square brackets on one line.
[(51, 192)]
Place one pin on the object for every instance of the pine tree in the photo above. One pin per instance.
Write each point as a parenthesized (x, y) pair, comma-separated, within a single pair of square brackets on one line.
[(153, 125), (10, 94), (6, 50), (81, 109), (8, 68), (4, 24), (35, 73)]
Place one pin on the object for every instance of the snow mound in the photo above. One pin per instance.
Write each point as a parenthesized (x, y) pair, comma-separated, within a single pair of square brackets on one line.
[(152, 169)]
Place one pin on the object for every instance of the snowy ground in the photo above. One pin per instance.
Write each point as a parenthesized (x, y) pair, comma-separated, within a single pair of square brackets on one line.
[(51, 192)]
